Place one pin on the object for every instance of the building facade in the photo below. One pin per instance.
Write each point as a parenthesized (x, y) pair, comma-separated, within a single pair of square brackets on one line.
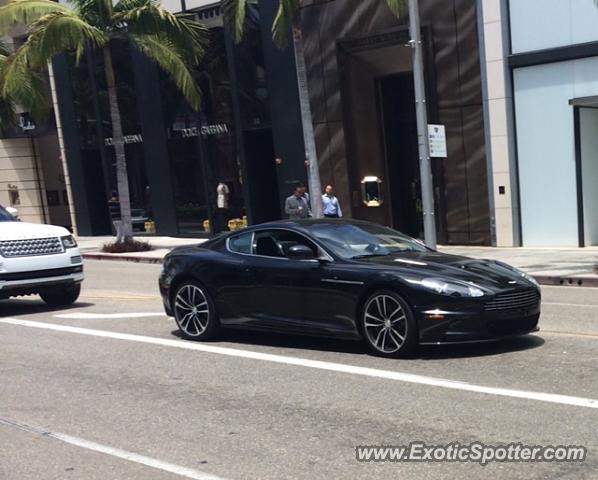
[(247, 135), (542, 67)]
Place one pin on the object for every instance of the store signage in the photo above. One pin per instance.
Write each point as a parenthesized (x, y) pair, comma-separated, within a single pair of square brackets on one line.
[(205, 131), (437, 140), (26, 123), (137, 138)]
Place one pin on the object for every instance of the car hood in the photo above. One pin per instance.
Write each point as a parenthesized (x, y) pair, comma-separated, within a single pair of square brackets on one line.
[(485, 273), (24, 231)]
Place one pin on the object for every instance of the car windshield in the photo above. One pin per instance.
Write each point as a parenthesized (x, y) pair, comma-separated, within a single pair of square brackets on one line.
[(364, 240), (5, 216)]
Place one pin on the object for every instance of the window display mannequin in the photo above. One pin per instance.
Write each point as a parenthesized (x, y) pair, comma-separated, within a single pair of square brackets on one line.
[(223, 193)]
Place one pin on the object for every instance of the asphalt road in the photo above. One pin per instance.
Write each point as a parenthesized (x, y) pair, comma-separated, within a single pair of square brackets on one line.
[(107, 390)]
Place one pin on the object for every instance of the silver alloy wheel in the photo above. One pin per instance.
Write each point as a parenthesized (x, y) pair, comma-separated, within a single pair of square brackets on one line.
[(385, 323), (191, 310)]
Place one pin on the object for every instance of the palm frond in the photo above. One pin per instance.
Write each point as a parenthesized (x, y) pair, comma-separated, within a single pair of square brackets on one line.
[(399, 7), (283, 22), (27, 11), (172, 61), (58, 32), (90, 11), (126, 5), (234, 14), (147, 17), (4, 50), (20, 84)]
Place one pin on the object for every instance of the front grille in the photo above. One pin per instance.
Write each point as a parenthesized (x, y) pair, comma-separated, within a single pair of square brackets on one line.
[(30, 247), (520, 300)]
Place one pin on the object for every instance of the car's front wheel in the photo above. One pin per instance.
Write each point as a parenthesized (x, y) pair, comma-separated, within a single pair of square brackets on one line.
[(388, 325), (61, 296), (194, 312)]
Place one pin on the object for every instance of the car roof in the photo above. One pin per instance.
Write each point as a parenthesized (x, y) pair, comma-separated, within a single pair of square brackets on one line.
[(307, 223)]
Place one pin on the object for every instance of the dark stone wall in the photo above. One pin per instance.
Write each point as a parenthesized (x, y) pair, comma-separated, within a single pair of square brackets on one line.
[(455, 100)]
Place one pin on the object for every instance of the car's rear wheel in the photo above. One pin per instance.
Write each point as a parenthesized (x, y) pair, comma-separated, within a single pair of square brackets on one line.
[(194, 312), (389, 328), (61, 296)]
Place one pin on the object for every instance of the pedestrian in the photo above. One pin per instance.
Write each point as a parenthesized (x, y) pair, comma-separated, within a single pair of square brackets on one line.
[(305, 195), (331, 205), (297, 206), (115, 216)]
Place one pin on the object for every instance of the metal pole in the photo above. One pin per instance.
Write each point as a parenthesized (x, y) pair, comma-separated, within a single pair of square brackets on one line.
[(422, 125)]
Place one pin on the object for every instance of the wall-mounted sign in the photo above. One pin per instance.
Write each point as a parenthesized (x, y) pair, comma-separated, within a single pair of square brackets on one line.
[(437, 139), (137, 138), (371, 191), (26, 123), (205, 130)]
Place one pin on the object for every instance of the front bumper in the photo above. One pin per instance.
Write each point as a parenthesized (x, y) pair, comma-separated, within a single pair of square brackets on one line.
[(35, 274), (469, 322)]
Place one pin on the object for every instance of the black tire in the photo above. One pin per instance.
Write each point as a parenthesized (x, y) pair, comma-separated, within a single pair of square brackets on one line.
[(195, 324), (62, 296), (389, 329)]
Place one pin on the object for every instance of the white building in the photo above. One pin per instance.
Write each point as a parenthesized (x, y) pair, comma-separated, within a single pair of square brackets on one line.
[(541, 60)]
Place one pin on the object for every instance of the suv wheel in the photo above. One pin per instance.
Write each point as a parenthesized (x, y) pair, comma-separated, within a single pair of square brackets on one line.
[(62, 296)]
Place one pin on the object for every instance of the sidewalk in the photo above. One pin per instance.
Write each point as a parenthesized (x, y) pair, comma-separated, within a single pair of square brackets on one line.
[(91, 248), (550, 266)]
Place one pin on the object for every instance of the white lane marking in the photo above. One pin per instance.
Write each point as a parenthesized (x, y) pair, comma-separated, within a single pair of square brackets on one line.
[(317, 364), (89, 316), (114, 452), (570, 304)]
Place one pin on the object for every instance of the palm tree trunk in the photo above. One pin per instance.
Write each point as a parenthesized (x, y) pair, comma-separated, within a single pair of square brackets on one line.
[(311, 154), (122, 179)]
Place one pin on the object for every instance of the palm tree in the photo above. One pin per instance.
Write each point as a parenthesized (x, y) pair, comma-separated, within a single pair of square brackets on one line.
[(288, 20), (175, 42)]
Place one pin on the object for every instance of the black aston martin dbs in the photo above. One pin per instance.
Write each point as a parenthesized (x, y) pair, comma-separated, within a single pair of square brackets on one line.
[(347, 279)]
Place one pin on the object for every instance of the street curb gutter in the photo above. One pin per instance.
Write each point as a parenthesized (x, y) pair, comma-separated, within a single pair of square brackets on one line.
[(573, 281), (554, 280)]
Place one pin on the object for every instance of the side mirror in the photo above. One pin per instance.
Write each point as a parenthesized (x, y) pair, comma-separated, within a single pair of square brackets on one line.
[(300, 252)]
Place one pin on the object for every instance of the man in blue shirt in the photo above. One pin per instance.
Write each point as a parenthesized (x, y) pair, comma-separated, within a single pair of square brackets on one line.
[(332, 207)]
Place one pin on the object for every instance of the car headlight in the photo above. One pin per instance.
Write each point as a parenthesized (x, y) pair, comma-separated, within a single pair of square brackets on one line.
[(452, 288), (521, 273), (68, 241)]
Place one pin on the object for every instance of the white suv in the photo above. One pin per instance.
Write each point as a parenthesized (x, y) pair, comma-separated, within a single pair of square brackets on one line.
[(38, 259)]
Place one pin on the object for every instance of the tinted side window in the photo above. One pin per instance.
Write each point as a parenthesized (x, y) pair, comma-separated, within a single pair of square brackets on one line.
[(241, 243), (276, 243)]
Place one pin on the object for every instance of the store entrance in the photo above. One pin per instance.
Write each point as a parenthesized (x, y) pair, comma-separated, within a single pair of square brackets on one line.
[(399, 137), (261, 176), (587, 174), (381, 129)]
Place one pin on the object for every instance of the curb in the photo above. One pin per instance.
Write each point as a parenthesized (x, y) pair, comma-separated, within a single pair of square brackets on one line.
[(111, 257), (565, 281), (550, 280)]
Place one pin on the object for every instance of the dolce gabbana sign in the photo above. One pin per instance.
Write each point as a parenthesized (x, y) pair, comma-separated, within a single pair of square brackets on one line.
[(205, 131), (137, 138)]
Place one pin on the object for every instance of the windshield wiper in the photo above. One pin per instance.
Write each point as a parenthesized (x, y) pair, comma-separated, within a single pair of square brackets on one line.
[(370, 255)]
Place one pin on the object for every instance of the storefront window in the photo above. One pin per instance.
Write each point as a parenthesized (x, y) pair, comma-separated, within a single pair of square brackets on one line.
[(202, 147), (94, 124)]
